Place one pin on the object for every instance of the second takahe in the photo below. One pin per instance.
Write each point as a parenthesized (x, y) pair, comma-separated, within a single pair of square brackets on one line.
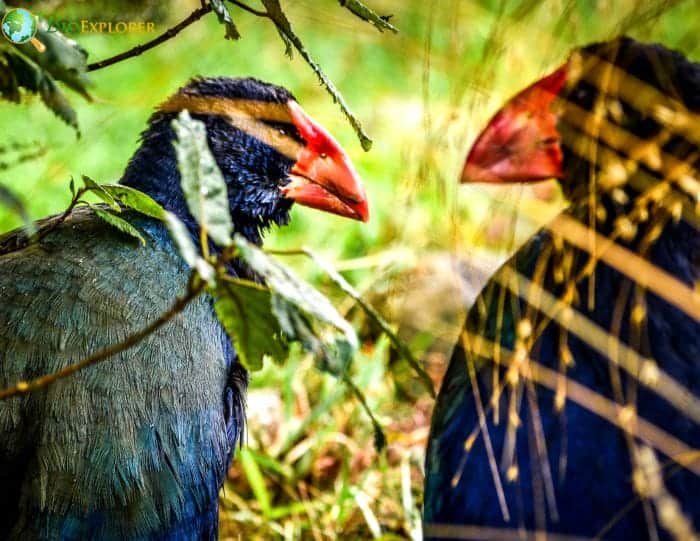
[(570, 404)]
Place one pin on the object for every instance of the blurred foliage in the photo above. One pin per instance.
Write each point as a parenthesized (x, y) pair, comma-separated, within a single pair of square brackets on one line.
[(116, 10), (36, 68), (309, 469)]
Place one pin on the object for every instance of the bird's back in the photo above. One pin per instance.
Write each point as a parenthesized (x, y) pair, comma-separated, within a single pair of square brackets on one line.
[(109, 452), (586, 458)]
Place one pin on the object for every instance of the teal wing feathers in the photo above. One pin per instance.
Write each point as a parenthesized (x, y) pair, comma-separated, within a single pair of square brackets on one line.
[(124, 448)]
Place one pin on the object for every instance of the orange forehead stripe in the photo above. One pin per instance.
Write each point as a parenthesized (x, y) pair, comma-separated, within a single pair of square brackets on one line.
[(246, 115), (215, 105)]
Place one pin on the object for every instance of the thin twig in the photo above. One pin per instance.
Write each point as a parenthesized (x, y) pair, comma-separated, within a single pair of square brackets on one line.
[(249, 9), (18, 242), (62, 218), (284, 27), (140, 49), (24, 387), (379, 436), (170, 33)]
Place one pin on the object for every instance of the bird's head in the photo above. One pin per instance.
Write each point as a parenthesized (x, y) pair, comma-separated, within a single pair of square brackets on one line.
[(603, 107), (270, 151)]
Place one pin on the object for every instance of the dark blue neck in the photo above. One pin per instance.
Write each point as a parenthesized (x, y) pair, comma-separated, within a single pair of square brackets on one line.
[(676, 250), (153, 170)]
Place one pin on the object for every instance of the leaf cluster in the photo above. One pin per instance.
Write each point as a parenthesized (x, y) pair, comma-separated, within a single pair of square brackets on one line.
[(24, 69), (258, 319)]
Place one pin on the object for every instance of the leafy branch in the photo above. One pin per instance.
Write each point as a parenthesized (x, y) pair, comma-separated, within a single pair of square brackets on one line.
[(114, 195), (371, 312), (24, 69), (273, 11), (260, 321)]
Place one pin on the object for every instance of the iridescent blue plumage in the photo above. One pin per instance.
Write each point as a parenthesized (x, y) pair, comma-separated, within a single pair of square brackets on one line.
[(572, 470), (136, 447)]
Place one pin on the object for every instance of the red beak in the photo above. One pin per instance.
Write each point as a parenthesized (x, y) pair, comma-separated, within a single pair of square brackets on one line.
[(521, 142), (323, 176)]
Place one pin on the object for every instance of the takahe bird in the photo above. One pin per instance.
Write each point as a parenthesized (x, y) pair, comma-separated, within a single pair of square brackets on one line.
[(527, 433), (137, 447)]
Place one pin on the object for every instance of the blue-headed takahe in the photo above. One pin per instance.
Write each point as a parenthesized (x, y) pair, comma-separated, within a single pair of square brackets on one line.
[(137, 447)]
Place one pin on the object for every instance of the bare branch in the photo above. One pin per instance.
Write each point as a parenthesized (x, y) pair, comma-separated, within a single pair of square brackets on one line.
[(249, 9), (22, 240), (165, 36)]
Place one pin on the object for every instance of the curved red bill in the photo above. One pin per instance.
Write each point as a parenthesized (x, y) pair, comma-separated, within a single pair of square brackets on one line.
[(323, 176), (521, 142)]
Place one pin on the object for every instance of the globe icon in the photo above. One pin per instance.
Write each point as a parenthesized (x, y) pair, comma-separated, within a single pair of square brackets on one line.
[(18, 25)]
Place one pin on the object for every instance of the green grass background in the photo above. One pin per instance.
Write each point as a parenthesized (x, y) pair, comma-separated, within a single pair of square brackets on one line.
[(423, 95)]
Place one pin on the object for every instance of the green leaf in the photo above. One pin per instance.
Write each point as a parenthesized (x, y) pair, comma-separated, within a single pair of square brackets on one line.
[(186, 248), (269, 463), (202, 182), (245, 311), (333, 351), (100, 192), (287, 285), (55, 100), (398, 344), (303, 313), (120, 223), (282, 511), (205, 270), (284, 28), (182, 239), (367, 14), (37, 72), (31, 77), (27, 74), (136, 200), (64, 60), (14, 203), (9, 87), (224, 16)]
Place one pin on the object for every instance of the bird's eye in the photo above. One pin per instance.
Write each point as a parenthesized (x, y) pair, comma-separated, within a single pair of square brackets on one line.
[(323, 155), (282, 131)]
